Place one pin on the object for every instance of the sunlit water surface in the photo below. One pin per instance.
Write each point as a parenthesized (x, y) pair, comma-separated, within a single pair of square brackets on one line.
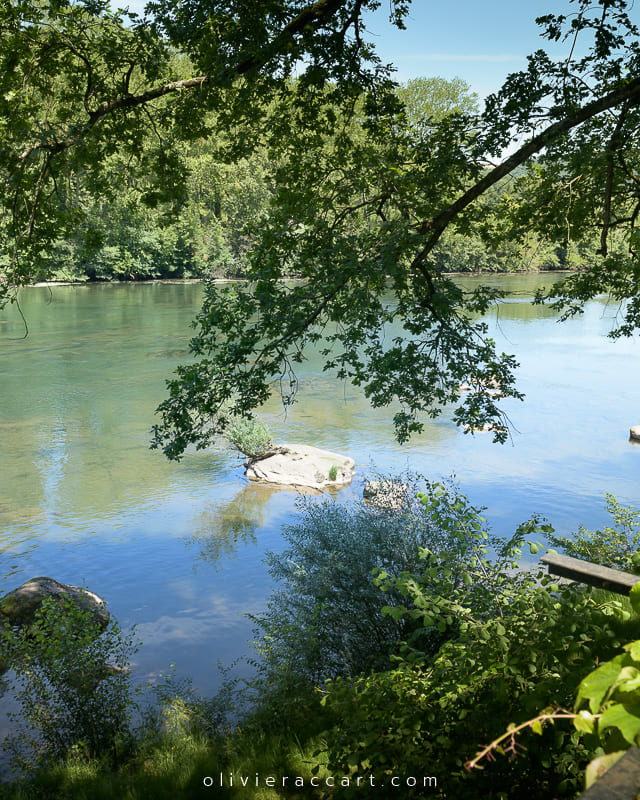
[(178, 549)]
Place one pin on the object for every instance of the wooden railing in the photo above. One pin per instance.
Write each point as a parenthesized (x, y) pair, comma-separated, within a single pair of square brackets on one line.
[(622, 781), (585, 572)]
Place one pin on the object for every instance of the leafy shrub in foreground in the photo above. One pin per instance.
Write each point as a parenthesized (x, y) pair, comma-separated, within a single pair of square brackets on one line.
[(520, 644), (72, 685), (434, 640), (326, 619), (435, 712)]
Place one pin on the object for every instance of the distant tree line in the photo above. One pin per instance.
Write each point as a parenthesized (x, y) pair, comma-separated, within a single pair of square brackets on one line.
[(136, 233)]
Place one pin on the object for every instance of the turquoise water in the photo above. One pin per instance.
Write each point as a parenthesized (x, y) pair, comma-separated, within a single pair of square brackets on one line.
[(177, 549)]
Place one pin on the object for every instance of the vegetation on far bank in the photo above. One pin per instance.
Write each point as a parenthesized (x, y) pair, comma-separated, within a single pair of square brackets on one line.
[(223, 207)]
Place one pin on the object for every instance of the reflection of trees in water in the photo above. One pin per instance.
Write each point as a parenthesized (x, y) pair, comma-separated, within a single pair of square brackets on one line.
[(222, 526), (329, 414)]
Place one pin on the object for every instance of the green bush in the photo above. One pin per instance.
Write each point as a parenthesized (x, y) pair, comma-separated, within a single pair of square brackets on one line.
[(72, 686), (616, 545), (437, 711), (250, 437), (326, 617), (433, 640), (517, 643)]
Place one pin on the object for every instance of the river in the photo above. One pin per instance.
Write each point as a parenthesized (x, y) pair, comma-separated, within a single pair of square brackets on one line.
[(177, 549)]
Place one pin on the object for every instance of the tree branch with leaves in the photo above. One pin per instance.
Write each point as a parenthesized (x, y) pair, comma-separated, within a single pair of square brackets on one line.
[(364, 189)]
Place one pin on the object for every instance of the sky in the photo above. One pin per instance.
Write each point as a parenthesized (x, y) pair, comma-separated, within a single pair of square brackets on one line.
[(478, 41)]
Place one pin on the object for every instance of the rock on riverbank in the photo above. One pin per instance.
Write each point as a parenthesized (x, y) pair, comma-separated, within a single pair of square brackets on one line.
[(19, 607)]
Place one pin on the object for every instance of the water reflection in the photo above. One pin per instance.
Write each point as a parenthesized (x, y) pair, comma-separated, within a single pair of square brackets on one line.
[(220, 527), (178, 548)]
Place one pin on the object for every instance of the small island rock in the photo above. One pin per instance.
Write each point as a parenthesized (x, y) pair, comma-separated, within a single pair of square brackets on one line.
[(19, 607), (302, 465), (486, 428)]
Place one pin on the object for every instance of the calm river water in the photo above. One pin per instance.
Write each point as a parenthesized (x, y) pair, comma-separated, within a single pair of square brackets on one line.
[(177, 549)]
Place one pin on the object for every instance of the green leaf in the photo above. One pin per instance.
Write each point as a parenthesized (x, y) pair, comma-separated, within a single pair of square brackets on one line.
[(633, 648), (628, 680), (598, 683), (617, 716), (634, 597), (585, 722), (395, 612)]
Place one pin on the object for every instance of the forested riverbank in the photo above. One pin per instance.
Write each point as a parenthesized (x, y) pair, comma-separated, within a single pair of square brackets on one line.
[(205, 228), (210, 232)]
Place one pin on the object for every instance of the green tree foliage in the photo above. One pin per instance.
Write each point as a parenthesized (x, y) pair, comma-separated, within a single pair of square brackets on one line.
[(360, 216), (364, 186), (428, 100), (125, 238), (80, 85), (62, 65)]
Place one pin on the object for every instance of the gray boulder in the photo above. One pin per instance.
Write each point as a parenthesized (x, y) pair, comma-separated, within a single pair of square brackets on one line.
[(19, 607), (302, 465), (386, 494)]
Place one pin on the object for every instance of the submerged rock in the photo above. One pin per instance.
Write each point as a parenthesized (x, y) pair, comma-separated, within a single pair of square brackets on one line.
[(302, 465), (19, 607), (486, 428)]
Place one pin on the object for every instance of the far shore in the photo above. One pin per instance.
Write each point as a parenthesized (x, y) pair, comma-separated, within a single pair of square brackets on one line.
[(114, 282)]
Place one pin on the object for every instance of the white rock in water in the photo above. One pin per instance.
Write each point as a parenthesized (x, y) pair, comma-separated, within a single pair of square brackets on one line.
[(634, 433), (486, 428), (302, 465)]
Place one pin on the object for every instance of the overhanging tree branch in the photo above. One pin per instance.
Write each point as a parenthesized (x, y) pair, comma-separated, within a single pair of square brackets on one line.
[(315, 15), (628, 94)]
